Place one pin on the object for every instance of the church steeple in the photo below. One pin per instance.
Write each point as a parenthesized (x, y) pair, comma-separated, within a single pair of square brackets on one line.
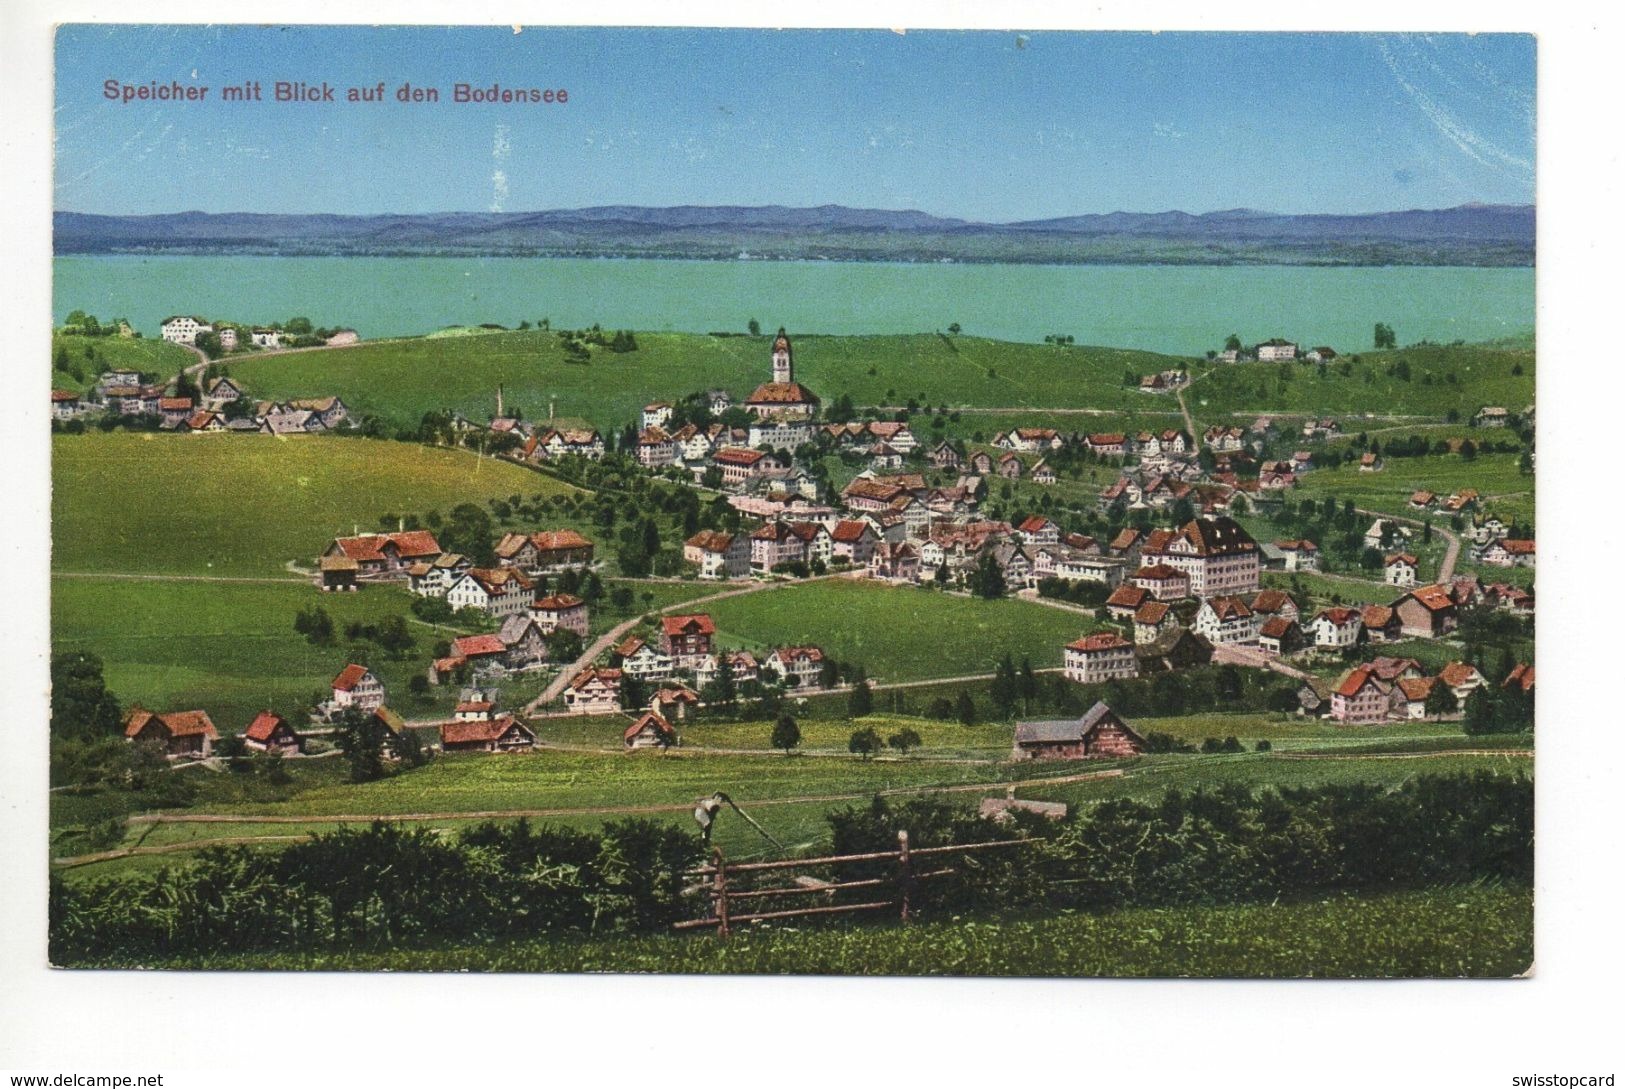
[(783, 366)]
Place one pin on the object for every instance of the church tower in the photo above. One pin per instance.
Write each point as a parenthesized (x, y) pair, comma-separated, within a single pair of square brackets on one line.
[(783, 368)]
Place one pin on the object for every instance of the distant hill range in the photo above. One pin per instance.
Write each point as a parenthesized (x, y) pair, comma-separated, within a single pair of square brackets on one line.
[(1472, 234)]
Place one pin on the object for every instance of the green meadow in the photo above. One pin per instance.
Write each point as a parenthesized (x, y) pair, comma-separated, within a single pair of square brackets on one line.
[(898, 633), (155, 357), (1506, 491), (247, 505)]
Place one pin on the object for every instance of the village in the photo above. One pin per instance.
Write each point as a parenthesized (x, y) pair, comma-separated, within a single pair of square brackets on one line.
[(1175, 576)]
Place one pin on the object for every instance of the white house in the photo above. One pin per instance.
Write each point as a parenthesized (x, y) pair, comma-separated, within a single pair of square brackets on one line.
[(182, 329), (266, 338), (1103, 656), (1275, 350), (1226, 620), (1336, 629), (1399, 569), (357, 686), (719, 555), (497, 591), (657, 414)]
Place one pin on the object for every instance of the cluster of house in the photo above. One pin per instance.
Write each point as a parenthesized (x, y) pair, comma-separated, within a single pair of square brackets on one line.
[(685, 646), (1275, 350), (123, 393), (185, 329), (1389, 689)]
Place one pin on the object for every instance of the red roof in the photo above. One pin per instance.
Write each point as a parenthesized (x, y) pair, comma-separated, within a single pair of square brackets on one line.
[(1434, 598), (1131, 597), (550, 540), (782, 393), (1339, 616), (851, 531), (1152, 612), (1099, 641), (1400, 557), (1036, 524), (1416, 689), (175, 404), (178, 723), (711, 540), (350, 676), (590, 674), (1522, 676), (1275, 627), (61, 395), (1159, 572), (1457, 674), (474, 646), (664, 728), (689, 624), (1355, 681), (1227, 607), (476, 730), (264, 726), (557, 602)]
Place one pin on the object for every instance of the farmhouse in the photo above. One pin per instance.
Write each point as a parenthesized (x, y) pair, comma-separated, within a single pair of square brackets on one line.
[(386, 553), (594, 692), (357, 686), (524, 642), (897, 561), (655, 448), (804, 664), (650, 731), (1275, 350), (740, 465), (1226, 619), (180, 329), (581, 442), (639, 658), (500, 733), (944, 456), (1380, 622), (1508, 552), (1275, 603), (1100, 733), (1038, 530), (1010, 467), (1279, 635), (181, 733), (1362, 697), (1461, 679), (1126, 600), (1336, 629), (434, 579), (1491, 416), (1103, 656), (486, 653), (270, 733), (657, 414), (1152, 620), (1176, 648)]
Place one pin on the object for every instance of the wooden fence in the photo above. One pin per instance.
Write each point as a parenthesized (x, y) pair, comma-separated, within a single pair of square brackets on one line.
[(893, 892)]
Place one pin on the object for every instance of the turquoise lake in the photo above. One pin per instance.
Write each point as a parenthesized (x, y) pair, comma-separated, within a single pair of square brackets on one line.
[(1175, 309)]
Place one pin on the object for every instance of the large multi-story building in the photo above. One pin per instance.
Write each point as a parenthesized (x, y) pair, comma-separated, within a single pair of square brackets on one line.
[(1216, 554)]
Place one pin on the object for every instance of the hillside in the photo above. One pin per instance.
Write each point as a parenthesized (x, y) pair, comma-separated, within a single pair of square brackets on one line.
[(1497, 235), (245, 505)]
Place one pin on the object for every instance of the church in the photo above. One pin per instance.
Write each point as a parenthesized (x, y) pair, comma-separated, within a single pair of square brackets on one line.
[(783, 397)]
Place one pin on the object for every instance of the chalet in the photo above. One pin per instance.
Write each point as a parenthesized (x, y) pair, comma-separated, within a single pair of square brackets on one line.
[(1336, 629), (330, 412), (775, 545), (650, 731), (294, 421), (65, 404), (357, 686), (1370, 462), (1314, 697), (524, 642), (560, 610), (175, 410), (183, 734), (718, 401), (1103, 656), (639, 658), (386, 553), (1175, 649), (270, 733), (1275, 603), (1044, 473), (1125, 489), (1226, 619), (1175, 441), (687, 638), (1513, 599), (1508, 552), (1491, 416), (495, 591), (1399, 569), (487, 654), (1107, 444), (594, 692), (1427, 611), (434, 579), (1409, 698), (1126, 545), (719, 555), (1216, 554), (673, 701), (1100, 733), (499, 733), (1279, 635), (1164, 582), (742, 666), (1466, 590), (1038, 530), (1381, 623), (1223, 439), (692, 444), (815, 539), (581, 442), (944, 456), (853, 542), (981, 463), (1153, 383), (220, 392), (1322, 428), (1275, 350), (1126, 600), (1153, 620), (1461, 679), (894, 434), (897, 561), (1302, 462), (1010, 467), (1362, 697), (801, 667), (1029, 440), (1422, 500), (1390, 669)]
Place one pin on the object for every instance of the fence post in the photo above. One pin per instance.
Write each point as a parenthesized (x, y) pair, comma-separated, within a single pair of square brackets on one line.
[(719, 891), (905, 875)]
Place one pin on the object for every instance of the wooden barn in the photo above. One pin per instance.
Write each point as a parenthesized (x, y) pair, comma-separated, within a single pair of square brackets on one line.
[(182, 733), (1099, 734), (270, 733), (504, 733)]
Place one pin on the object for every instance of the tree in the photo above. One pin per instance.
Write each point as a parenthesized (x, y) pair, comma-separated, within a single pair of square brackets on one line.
[(634, 692), (953, 327), (80, 701), (1006, 688), (564, 645), (315, 625), (786, 734), (1441, 700), (755, 327), (864, 743), (904, 740), (208, 344), (1232, 343), (298, 327), (965, 709), (362, 737), (1382, 336), (861, 701), (987, 581), (468, 530)]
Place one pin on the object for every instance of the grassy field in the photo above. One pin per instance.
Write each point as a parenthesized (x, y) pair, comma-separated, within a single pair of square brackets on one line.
[(1389, 491), (230, 648), (402, 379), (247, 504), (156, 357), (1483, 376), (1477, 931), (898, 633)]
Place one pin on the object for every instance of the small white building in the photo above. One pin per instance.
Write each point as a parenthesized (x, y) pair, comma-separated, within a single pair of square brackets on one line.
[(1399, 569), (182, 329)]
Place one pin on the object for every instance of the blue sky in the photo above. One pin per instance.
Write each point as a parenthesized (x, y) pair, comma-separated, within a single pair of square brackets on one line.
[(984, 125)]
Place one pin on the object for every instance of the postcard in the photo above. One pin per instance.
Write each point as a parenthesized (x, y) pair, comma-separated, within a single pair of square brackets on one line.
[(541, 499)]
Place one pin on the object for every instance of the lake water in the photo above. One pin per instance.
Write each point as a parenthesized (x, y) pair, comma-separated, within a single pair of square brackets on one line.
[(1182, 310)]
